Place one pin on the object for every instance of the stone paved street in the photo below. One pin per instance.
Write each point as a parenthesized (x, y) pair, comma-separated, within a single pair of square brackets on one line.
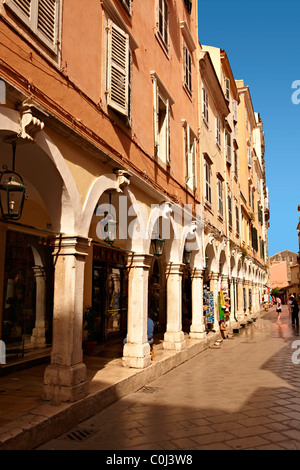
[(245, 395)]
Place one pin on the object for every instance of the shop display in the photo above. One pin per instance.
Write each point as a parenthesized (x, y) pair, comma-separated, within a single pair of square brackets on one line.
[(208, 308)]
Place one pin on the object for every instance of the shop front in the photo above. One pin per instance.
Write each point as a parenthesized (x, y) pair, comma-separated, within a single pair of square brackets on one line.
[(27, 296), (109, 293)]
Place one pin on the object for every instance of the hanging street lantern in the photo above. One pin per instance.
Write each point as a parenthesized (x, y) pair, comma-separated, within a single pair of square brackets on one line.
[(12, 191), (158, 245), (110, 229), (187, 256)]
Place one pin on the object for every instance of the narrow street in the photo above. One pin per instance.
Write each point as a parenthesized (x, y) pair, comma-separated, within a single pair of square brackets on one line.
[(244, 395)]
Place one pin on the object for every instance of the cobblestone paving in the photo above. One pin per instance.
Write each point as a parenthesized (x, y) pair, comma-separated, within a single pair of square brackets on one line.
[(245, 395)]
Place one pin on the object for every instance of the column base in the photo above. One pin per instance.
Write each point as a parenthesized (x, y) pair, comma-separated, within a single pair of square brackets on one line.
[(174, 341), (136, 356), (65, 383), (197, 335)]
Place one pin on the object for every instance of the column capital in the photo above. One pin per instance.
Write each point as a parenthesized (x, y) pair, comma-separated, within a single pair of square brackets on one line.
[(174, 268), (213, 276), (197, 273), (139, 260), (39, 271), (71, 245)]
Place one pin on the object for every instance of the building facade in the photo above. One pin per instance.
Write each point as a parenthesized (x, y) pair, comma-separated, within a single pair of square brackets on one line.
[(127, 135)]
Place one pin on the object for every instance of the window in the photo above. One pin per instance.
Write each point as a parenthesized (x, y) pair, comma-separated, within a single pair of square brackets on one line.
[(227, 88), (162, 23), (249, 157), (218, 132), (249, 193), (190, 141), (254, 238), (187, 68), (229, 212), (253, 198), (41, 16), (220, 198), (235, 110), (118, 69), (236, 164), (207, 173), (205, 106), (237, 220), (162, 104), (127, 5), (228, 147)]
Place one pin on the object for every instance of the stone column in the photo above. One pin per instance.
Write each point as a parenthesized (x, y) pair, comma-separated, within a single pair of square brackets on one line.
[(38, 337), (174, 336), (240, 303), (214, 287), (233, 306), (246, 285), (65, 378), (136, 351), (3, 229), (197, 330)]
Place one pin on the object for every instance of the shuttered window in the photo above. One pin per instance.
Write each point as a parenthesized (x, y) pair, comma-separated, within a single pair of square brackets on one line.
[(207, 181), (163, 22), (228, 147), (227, 88), (218, 132), (220, 198), (41, 16), (187, 66), (118, 69), (205, 106), (190, 142)]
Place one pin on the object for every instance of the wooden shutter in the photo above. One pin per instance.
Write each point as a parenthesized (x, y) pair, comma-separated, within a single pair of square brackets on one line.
[(118, 68), (188, 157), (47, 21), (22, 8), (227, 88), (235, 110), (168, 150), (194, 162), (155, 112), (228, 147)]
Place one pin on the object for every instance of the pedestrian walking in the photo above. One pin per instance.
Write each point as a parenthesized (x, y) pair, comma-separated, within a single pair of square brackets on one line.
[(278, 310), (295, 311), (290, 305)]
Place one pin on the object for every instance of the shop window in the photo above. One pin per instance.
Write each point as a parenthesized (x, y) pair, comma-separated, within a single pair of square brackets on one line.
[(110, 293), (27, 295)]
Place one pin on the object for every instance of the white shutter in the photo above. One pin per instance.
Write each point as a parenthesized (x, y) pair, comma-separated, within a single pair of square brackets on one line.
[(168, 150), (227, 88), (155, 111), (249, 157), (22, 8), (194, 163), (235, 110), (47, 15), (189, 157), (118, 68)]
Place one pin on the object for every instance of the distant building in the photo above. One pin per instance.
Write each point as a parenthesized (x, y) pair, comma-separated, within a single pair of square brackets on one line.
[(282, 272)]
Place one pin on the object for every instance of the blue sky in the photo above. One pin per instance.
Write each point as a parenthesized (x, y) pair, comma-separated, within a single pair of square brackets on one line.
[(262, 41)]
